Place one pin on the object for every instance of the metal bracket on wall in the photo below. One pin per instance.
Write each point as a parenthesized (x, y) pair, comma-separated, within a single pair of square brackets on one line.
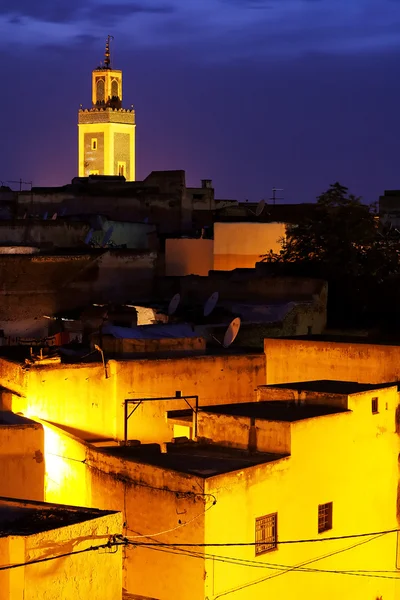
[(138, 401)]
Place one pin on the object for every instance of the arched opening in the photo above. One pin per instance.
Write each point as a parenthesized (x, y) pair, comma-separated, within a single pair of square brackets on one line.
[(100, 90)]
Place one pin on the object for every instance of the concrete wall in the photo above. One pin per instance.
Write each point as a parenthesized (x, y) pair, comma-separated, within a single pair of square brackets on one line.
[(33, 286), (320, 470), (57, 233), (240, 245), (157, 505), (95, 574), (185, 256), (22, 465), (303, 360), (79, 397), (137, 236), (256, 435)]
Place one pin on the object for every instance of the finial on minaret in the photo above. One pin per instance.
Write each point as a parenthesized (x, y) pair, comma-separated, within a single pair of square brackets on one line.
[(107, 59)]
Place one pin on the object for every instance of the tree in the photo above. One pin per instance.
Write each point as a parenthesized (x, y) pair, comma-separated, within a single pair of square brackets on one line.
[(344, 236), (346, 243)]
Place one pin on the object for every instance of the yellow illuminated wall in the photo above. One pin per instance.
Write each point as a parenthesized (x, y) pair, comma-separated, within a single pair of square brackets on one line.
[(349, 459), (240, 245)]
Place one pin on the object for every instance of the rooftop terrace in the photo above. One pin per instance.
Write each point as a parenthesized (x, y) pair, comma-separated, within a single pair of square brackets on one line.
[(202, 460), (280, 410), (327, 386), (21, 518)]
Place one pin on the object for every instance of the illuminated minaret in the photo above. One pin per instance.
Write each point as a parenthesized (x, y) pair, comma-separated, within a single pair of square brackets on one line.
[(107, 131)]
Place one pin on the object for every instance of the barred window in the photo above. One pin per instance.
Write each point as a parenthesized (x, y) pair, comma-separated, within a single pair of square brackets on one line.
[(266, 533), (325, 517)]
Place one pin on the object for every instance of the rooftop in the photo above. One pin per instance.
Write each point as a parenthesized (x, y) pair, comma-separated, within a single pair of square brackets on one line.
[(18, 517), (275, 410), (202, 460), (327, 386)]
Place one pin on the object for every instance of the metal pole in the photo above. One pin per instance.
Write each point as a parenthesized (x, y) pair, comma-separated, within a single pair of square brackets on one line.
[(195, 416), (125, 422)]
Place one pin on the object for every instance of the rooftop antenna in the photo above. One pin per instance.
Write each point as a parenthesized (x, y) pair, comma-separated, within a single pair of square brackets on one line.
[(173, 305), (107, 237), (210, 304), (274, 190), (107, 55)]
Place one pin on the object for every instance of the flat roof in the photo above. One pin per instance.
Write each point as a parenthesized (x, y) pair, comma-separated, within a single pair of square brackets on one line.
[(328, 386), (201, 460), (18, 517), (275, 410)]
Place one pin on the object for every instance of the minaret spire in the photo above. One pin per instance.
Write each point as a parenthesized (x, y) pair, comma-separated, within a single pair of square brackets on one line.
[(107, 55)]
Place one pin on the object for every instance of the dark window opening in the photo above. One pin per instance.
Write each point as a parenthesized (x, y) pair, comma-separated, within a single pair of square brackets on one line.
[(374, 405), (325, 517), (266, 533)]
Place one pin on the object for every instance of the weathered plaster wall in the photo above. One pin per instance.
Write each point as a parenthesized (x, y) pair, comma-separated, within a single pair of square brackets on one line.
[(302, 360), (319, 470), (185, 256), (96, 574), (22, 465), (157, 505), (50, 233), (240, 245), (254, 435), (78, 395), (215, 379)]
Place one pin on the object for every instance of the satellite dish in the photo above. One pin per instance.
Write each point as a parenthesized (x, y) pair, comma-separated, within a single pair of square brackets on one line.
[(174, 303), (210, 304), (260, 207), (107, 236), (89, 236), (231, 332), (54, 217), (45, 216)]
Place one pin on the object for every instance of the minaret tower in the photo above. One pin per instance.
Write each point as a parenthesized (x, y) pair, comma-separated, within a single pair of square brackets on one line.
[(107, 131)]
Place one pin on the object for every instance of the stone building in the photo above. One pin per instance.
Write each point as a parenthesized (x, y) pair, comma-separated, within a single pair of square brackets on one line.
[(106, 130)]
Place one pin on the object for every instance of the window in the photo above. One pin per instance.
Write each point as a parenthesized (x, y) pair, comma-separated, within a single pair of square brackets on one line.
[(325, 517), (94, 143), (374, 406), (266, 533)]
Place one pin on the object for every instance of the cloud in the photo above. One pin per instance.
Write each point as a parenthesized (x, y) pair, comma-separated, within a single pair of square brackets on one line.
[(209, 30), (59, 11), (106, 13)]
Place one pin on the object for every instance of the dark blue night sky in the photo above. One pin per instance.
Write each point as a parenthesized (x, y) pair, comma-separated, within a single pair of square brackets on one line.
[(295, 94)]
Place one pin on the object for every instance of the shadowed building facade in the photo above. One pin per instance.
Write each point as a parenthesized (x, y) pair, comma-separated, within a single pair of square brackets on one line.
[(106, 131)]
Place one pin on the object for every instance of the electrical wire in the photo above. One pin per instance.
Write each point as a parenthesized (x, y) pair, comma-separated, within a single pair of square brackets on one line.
[(124, 479), (152, 535), (278, 542), (49, 558), (286, 568)]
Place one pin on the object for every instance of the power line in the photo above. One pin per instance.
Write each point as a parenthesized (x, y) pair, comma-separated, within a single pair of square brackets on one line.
[(109, 544), (285, 568), (299, 541), (151, 535)]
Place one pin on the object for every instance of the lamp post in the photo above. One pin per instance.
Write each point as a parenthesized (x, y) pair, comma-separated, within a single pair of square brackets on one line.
[(96, 347)]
